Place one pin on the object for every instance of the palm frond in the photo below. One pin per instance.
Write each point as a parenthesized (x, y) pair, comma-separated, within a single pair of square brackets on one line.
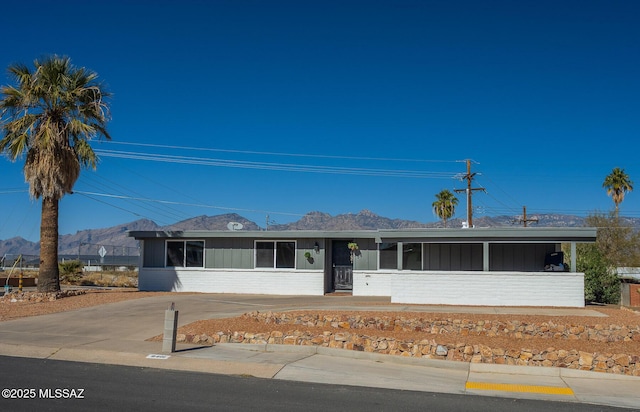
[(50, 114)]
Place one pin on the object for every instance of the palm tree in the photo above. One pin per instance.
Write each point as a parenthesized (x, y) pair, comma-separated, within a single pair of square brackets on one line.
[(617, 185), (49, 116), (445, 205)]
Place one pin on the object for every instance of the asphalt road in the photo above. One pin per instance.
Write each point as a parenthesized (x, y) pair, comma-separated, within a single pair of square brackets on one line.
[(49, 385)]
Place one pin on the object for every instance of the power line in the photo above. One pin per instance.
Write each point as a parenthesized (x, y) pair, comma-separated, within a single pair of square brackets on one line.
[(185, 204), (281, 153), (7, 191), (88, 196), (165, 211), (506, 207), (274, 166), (513, 208), (170, 212), (160, 215)]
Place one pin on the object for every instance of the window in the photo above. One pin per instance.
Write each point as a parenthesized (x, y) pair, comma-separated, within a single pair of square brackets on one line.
[(274, 254), (412, 256), (185, 253), (388, 255), (264, 254)]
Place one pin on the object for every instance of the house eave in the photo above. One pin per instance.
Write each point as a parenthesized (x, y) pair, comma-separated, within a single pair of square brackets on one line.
[(457, 235)]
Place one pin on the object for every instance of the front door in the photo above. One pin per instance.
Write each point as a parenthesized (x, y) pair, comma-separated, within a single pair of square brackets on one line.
[(342, 266)]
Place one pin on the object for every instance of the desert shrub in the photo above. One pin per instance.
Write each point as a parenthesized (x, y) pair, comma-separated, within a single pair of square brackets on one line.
[(111, 279), (601, 284), (70, 271)]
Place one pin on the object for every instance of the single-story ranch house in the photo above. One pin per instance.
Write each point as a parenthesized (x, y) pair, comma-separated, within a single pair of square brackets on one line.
[(480, 266)]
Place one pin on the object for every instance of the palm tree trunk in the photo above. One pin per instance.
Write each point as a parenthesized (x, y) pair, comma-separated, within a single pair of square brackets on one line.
[(49, 275)]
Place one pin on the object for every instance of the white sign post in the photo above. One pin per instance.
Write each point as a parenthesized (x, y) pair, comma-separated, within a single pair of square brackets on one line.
[(102, 252)]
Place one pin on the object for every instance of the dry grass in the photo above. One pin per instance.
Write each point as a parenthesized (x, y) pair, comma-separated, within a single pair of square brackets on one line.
[(115, 279)]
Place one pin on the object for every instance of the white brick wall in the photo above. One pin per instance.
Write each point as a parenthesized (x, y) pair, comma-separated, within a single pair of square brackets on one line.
[(372, 283), (232, 281), (564, 289)]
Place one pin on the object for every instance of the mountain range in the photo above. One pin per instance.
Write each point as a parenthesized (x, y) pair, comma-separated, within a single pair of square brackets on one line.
[(90, 240)]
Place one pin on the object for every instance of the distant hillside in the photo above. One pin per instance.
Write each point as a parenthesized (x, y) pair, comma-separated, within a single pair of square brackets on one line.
[(115, 239), (364, 220), (82, 242), (18, 245), (367, 220)]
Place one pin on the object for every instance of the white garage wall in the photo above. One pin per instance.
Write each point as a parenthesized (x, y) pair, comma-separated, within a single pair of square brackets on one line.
[(564, 289)]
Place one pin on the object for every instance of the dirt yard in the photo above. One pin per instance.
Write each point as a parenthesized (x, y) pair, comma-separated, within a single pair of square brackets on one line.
[(39, 305)]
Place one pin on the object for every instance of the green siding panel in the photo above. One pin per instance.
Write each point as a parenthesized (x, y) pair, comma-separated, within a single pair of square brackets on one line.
[(452, 256), (367, 259), (229, 253), (153, 253), (316, 261), (519, 257)]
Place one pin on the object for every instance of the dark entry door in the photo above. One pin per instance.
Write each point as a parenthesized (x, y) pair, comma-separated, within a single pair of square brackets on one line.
[(342, 266)]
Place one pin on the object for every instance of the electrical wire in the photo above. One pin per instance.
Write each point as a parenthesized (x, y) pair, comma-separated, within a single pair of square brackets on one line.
[(170, 202), (318, 156), (273, 166)]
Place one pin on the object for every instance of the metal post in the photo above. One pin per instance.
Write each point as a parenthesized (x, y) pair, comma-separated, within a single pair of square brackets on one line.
[(170, 329)]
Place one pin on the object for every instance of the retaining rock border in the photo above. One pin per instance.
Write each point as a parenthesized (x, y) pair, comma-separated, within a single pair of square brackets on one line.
[(36, 297), (342, 336)]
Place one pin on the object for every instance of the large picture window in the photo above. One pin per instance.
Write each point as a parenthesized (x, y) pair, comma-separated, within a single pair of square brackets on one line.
[(388, 255), (276, 254), (412, 256), (185, 253)]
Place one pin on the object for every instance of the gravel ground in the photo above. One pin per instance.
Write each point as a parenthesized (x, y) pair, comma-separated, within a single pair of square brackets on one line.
[(28, 304), (615, 316)]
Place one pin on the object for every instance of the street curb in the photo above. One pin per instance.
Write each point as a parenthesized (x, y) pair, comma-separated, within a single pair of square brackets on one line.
[(27, 351), (344, 353), (435, 363)]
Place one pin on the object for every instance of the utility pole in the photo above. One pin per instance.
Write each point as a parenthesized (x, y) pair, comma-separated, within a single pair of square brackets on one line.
[(524, 219), (269, 222), (469, 178)]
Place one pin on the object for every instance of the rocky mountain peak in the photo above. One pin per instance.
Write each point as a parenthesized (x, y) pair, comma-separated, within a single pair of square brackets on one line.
[(90, 240)]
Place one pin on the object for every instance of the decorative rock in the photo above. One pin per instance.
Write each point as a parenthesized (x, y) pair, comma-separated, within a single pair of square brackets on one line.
[(344, 335), (441, 350), (622, 360), (585, 359)]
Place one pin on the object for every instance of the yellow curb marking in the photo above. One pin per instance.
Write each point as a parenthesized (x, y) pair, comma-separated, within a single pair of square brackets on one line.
[(549, 390)]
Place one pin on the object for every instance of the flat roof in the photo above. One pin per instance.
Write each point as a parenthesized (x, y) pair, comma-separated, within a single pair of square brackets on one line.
[(456, 235)]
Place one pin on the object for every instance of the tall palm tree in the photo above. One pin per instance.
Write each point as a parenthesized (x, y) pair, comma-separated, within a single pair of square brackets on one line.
[(49, 116), (445, 205), (617, 185)]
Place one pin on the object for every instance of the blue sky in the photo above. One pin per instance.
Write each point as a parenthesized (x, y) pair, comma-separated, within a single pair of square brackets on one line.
[(369, 104)]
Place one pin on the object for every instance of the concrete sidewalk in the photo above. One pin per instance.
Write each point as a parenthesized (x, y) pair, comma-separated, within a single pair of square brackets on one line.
[(116, 333)]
